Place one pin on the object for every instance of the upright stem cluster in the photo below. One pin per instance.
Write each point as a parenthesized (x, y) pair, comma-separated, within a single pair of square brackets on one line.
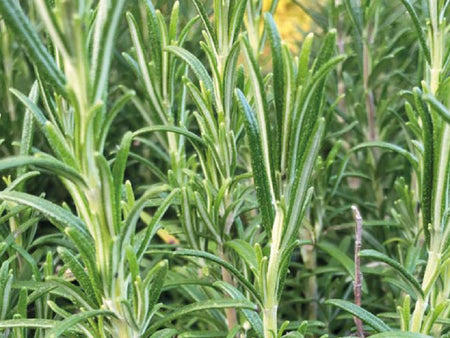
[(435, 295), (95, 202), (284, 151), (215, 186)]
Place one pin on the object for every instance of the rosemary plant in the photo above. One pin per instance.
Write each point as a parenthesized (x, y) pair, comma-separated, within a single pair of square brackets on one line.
[(432, 106), (75, 119), (199, 172), (429, 158)]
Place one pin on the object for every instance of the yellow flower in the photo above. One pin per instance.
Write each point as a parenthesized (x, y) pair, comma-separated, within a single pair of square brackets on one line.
[(162, 233)]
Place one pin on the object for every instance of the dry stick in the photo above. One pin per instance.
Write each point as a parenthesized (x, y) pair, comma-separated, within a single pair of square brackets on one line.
[(230, 312), (358, 274)]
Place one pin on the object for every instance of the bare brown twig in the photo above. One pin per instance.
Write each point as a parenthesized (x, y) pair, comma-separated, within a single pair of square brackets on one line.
[(358, 275)]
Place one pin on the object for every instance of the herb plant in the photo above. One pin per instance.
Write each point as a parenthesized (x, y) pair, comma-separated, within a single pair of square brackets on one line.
[(178, 169)]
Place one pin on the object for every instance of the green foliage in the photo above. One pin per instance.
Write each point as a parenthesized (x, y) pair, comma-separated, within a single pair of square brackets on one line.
[(177, 169)]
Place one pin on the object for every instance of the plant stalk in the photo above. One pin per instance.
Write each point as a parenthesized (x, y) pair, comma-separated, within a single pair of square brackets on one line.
[(227, 278), (436, 43), (270, 310)]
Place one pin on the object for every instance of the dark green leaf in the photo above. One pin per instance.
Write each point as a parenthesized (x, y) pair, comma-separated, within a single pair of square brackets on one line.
[(419, 29), (278, 67), (52, 211), (195, 64), (368, 318), (397, 266), (201, 306), (206, 23), (226, 265), (15, 18), (260, 172), (75, 319), (44, 162), (80, 274)]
